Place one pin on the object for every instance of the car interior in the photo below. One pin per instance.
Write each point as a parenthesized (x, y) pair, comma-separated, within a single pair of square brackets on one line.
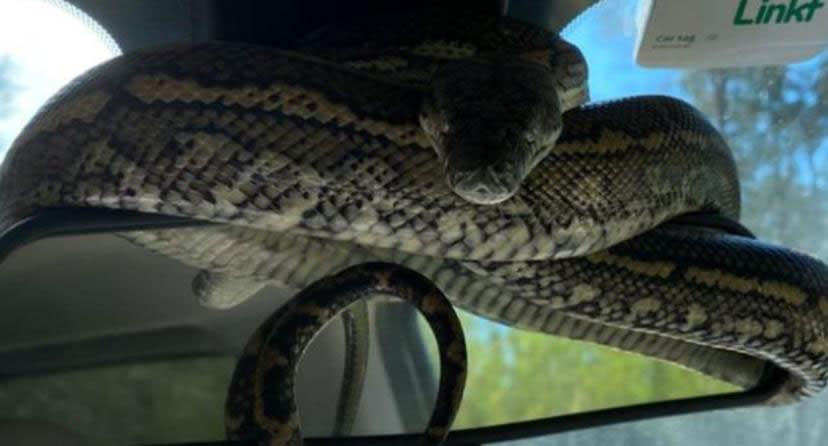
[(77, 296)]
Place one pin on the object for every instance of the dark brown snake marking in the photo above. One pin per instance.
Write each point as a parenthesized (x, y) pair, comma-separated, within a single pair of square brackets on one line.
[(260, 402)]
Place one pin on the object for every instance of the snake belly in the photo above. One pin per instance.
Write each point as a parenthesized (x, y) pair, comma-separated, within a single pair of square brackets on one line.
[(260, 402), (312, 167)]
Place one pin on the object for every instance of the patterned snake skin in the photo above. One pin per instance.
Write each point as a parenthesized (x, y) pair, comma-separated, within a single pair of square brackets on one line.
[(314, 164), (269, 361)]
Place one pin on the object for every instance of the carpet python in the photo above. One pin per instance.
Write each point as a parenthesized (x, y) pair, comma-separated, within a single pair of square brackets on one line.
[(316, 160)]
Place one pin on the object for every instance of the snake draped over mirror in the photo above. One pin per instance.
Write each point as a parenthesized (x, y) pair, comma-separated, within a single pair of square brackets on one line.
[(459, 147)]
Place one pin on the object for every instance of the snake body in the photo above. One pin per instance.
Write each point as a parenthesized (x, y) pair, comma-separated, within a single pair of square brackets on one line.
[(313, 166), (495, 89), (269, 361)]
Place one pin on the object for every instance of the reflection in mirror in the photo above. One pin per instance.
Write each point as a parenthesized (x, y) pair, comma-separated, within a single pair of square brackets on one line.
[(161, 401), (95, 330), (119, 303)]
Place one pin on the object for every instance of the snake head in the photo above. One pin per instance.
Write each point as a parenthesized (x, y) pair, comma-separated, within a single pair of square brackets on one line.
[(491, 120)]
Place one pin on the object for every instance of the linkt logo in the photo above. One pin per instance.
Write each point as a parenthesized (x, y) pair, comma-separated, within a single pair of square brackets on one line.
[(754, 13)]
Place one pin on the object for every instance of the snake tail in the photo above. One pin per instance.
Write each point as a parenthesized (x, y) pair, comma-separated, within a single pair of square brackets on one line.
[(260, 404), (221, 291)]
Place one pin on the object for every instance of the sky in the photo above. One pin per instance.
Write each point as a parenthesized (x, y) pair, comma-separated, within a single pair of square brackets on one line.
[(49, 45), (606, 35)]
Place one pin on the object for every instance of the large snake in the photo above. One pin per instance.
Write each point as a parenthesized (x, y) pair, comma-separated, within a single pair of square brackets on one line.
[(318, 160)]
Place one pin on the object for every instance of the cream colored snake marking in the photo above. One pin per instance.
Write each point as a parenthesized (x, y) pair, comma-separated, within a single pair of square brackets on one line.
[(314, 166)]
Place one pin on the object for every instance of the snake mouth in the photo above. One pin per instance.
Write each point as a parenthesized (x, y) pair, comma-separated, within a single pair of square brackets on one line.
[(482, 186)]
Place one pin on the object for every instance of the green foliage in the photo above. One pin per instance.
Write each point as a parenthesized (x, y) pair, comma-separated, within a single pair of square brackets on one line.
[(775, 121), (517, 375)]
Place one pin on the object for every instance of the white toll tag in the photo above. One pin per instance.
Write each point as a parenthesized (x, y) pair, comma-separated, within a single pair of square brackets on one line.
[(729, 33)]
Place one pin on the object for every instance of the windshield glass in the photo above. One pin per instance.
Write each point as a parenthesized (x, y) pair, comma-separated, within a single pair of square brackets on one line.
[(774, 120), (35, 64)]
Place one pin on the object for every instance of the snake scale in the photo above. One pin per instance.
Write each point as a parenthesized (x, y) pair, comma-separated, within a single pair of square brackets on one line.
[(317, 160)]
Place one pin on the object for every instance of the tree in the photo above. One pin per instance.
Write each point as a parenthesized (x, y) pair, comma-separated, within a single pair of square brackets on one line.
[(775, 121), (516, 375)]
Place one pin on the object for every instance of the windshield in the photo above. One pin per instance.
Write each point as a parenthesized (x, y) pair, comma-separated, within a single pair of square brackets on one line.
[(774, 119)]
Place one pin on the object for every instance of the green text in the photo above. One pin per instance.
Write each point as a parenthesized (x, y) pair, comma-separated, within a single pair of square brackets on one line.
[(796, 11)]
